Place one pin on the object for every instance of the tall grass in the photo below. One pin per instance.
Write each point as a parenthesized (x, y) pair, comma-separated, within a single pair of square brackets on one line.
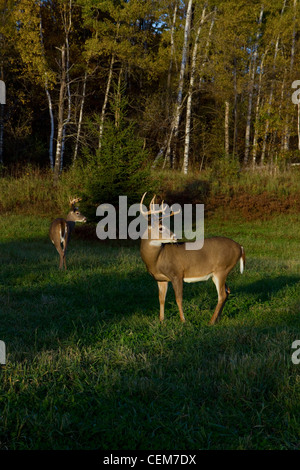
[(34, 191), (31, 190)]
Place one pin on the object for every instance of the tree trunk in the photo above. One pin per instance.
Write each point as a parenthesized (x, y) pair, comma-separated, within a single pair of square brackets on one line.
[(51, 125), (263, 153), (252, 78), (189, 99), (172, 51), (67, 22), (161, 151), (1, 131), (298, 124), (286, 138), (2, 103), (207, 46), (226, 125), (48, 98), (102, 118), (178, 106), (257, 111), (60, 118), (235, 111), (118, 99), (80, 117)]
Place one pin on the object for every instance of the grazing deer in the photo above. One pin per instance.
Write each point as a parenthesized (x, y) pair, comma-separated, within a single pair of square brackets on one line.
[(168, 261), (61, 229)]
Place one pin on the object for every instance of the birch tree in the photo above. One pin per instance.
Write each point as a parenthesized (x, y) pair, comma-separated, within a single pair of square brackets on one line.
[(251, 88), (178, 106), (190, 94), (257, 110), (80, 118), (286, 134), (271, 94)]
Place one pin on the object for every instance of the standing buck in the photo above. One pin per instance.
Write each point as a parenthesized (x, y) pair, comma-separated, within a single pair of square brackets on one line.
[(168, 261), (61, 229)]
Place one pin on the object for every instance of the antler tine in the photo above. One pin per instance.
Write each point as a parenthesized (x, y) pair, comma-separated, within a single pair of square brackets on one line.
[(171, 214), (152, 203), (174, 213), (151, 211), (144, 213), (74, 200)]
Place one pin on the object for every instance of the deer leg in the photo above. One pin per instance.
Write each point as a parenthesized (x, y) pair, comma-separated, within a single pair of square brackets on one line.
[(223, 292), (177, 286), (61, 260), (162, 291), (61, 256), (64, 252)]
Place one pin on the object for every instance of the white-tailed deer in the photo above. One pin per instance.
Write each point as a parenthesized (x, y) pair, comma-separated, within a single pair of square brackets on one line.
[(61, 229), (166, 260)]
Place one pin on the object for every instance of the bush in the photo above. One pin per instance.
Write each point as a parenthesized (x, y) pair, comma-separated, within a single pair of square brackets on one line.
[(225, 172), (120, 168)]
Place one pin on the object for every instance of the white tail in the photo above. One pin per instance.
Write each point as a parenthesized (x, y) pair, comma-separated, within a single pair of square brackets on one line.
[(169, 261), (242, 261)]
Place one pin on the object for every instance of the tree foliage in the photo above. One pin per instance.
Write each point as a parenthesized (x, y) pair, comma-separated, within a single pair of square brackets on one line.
[(242, 72)]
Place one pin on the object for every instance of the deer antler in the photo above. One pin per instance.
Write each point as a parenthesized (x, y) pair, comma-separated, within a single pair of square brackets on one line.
[(158, 211), (151, 211), (171, 214), (74, 200)]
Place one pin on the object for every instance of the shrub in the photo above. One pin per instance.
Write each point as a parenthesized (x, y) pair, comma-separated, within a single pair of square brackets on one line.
[(120, 168)]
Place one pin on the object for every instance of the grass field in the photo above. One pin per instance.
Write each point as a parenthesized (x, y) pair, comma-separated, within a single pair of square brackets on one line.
[(90, 367)]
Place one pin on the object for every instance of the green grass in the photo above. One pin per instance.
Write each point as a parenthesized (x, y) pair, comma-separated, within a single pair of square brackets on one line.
[(89, 365)]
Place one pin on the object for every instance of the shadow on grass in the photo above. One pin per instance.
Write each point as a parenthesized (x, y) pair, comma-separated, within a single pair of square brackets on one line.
[(38, 300), (138, 385), (269, 286)]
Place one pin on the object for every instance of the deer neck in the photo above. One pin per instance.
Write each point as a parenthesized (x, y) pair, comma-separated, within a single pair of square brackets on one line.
[(150, 254), (70, 223)]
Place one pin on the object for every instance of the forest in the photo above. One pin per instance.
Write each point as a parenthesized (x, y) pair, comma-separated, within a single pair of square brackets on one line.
[(193, 84)]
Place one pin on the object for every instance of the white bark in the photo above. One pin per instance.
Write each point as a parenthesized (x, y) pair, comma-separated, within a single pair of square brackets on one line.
[(48, 99), (190, 94), (252, 78), (257, 110), (2, 103), (102, 118), (51, 124), (226, 126), (286, 138), (67, 22), (263, 153), (80, 117), (298, 125), (207, 46), (235, 111), (60, 119), (178, 106), (172, 50), (172, 54), (1, 131)]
